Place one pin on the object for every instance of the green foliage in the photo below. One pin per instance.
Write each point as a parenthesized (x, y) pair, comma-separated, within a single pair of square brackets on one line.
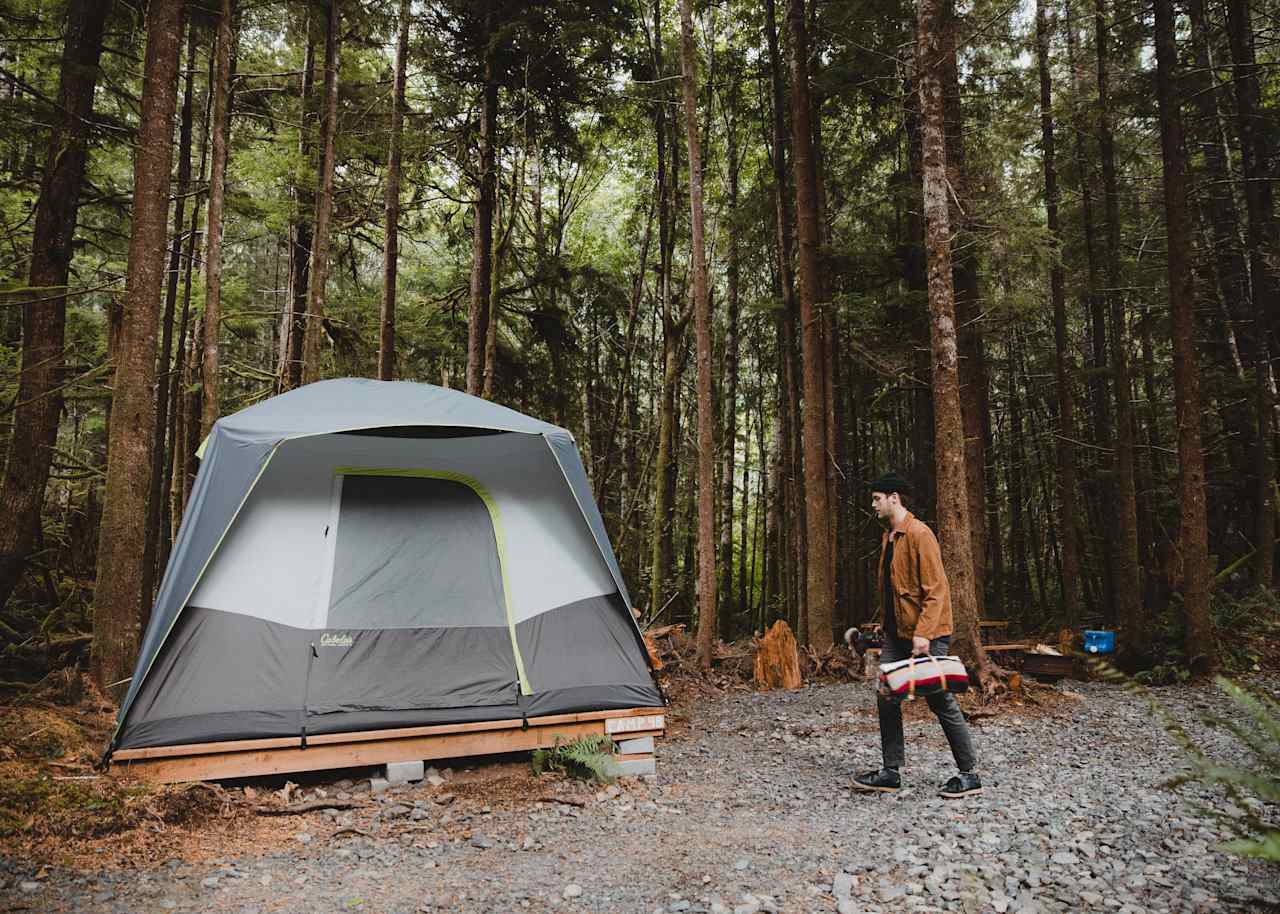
[(588, 758), (1245, 625), (1250, 781)]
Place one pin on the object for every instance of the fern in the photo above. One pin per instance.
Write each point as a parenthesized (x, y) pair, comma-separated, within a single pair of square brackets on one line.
[(588, 758)]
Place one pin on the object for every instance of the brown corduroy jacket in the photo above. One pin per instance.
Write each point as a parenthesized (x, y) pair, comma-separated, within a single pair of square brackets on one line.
[(919, 582)]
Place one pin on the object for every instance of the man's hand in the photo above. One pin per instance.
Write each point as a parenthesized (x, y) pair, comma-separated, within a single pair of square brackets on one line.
[(919, 647)]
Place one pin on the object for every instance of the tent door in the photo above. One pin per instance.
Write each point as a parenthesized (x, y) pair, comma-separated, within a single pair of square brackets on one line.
[(416, 613)]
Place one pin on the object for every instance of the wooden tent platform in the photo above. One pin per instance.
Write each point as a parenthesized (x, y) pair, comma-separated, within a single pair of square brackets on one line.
[(253, 757)]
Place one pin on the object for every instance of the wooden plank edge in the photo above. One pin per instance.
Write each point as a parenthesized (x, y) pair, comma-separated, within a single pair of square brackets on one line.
[(218, 766), (320, 739)]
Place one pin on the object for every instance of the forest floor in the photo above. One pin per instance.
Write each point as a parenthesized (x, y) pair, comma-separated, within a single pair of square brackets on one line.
[(751, 811)]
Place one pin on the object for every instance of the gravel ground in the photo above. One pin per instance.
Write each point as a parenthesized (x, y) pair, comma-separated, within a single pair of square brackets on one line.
[(751, 812)]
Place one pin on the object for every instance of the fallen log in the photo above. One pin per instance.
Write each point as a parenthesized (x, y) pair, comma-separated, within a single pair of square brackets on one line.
[(310, 806)]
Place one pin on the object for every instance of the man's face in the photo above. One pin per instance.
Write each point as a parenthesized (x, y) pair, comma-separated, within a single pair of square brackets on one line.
[(882, 503)]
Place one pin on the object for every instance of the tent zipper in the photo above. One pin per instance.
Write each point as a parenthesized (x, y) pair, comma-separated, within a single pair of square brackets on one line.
[(306, 692)]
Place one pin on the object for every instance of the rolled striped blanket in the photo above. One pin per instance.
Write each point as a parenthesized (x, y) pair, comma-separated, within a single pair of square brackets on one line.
[(923, 676)]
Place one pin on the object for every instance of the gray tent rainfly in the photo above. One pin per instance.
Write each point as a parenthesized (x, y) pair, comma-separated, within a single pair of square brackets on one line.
[(360, 555)]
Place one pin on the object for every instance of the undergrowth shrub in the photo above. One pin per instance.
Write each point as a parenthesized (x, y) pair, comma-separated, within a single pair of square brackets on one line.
[(587, 758)]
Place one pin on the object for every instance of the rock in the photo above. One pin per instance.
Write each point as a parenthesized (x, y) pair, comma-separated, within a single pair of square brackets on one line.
[(434, 780), (572, 890), (30, 887), (303, 838), (168, 904), (445, 799), (481, 842), (1063, 858), (378, 785), (417, 815), (211, 882), (677, 907), (741, 864), (395, 811), (848, 906), (844, 885)]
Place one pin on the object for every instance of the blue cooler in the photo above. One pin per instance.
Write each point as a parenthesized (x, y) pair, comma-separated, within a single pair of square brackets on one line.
[(1098, 642)]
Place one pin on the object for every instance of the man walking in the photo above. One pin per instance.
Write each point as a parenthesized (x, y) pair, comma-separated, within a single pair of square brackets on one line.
[(916, 619)]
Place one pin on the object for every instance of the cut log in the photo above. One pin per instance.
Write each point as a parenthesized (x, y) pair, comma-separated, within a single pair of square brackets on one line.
[(777, 663)]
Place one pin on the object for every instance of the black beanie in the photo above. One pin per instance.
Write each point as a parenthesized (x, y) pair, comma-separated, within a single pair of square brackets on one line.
[(889, 483)]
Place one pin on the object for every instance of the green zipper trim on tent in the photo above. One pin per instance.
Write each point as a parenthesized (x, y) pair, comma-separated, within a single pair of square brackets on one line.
[(494, 517), (205, 567)]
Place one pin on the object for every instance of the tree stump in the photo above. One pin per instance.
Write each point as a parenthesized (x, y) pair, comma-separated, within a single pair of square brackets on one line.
[(777, 662)]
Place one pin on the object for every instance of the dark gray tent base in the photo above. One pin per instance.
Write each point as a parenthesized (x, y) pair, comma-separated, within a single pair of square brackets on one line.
[(256, 757)]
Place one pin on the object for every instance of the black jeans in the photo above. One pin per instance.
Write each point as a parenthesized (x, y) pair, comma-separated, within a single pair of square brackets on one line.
[(943, 704)]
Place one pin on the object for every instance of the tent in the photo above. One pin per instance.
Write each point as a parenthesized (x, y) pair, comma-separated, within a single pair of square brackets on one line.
[(359, 555)]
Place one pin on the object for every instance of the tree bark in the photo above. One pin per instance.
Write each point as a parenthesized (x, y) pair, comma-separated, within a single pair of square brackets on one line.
[(300, 229), (953, 502), (324, 200), (702, 330), (974, 381), (1255, 154), (118, 597), (1063, 367), (819, 596), (1128, 591), (158, 502), (38, 408), (791, 528), (730, 394), (391, 247), (482, 231), (1100, 399), (1193, 537), (212, 320)]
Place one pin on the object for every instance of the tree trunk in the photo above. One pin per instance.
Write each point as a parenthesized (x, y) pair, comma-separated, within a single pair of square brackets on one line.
[(324, 201), (791, 529), (953, 502), (1263, 268), (482, 231), (974, 382), (38, 407), (118, 597), (1063, 368), (391, 248), (300, 229), (212, 320), (1193, 538), (158, 502), (1128, 592), (730, 395), (702, 330), (819, 597), (1100, 399), (664, 466)]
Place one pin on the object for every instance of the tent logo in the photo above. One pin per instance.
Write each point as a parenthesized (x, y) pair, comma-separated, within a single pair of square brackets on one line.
[(332, 639)]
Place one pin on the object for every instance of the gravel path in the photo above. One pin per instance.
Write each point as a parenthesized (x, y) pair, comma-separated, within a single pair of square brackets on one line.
[(751, 812)]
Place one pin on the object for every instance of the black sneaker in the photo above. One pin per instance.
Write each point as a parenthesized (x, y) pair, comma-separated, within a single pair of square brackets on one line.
[(964, 784), (886, 780)]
